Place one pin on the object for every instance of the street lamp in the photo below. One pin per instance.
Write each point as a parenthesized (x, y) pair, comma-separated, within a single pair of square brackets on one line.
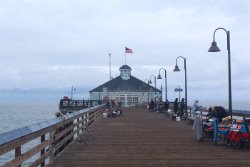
[(72, 89), (215, 48), (148, 90), (147, 81), (159, 77), (150, 82), (176, 69)]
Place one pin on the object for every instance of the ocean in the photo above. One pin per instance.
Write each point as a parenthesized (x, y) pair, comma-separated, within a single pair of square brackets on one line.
[(16, 114)]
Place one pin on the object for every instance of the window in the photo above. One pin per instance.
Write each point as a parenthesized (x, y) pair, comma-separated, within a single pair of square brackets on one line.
[(122, 99), (135, 99), (129, 98)]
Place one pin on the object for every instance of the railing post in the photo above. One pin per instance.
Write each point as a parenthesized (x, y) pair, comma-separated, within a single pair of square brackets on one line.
[(83, 120), (78, 132), (18, 152), (96, 113), (87, 120), (43, 150), (51, 146)]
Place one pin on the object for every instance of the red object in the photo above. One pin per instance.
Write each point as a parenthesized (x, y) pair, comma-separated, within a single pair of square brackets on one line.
[(246, 135), (238, 136), (210, 128), (127, 50)]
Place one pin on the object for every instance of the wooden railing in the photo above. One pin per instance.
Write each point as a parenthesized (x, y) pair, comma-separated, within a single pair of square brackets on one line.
[(241, 114), (52, 136)]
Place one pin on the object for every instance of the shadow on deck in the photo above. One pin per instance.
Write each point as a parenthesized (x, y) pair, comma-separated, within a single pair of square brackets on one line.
[(142, 138)]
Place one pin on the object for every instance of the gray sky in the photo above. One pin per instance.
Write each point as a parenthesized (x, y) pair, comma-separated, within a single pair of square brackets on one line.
[(46, 46)]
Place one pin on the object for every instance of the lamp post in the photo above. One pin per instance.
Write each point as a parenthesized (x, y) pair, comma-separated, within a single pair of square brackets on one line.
[(159, 77), (161, 91), (176, 69), (147, 81), (150, 82), (215, 48), (148, 90), (72, 89), (99, 101)]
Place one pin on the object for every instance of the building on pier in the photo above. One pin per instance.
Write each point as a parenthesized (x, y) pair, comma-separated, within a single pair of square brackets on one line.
[(127, 89)]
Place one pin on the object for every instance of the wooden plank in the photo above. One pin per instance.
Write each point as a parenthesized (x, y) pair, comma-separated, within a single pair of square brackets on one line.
[(40, 160), (8, 146), (43, 150), (142, 138), (63, 141), (22, 140), (22, 157), (64, 132), (18, 152)]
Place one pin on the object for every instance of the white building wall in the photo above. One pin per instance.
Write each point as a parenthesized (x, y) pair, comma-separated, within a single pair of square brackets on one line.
[(126, 98)]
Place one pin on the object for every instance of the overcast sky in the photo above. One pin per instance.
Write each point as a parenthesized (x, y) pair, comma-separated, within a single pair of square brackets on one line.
[(46, 46)]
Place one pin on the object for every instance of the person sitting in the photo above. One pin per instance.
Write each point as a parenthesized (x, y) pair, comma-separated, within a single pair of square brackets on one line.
[(114, 114), (216, 112), (181, 108), (219, 112)]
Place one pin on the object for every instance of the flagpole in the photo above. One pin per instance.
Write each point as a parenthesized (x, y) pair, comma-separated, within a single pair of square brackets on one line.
[(125, 58), (110, 66)]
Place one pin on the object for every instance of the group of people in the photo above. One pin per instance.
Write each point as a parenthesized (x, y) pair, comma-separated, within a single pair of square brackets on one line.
[(179, 107), (159, 106), (217, 112), (113, 108)]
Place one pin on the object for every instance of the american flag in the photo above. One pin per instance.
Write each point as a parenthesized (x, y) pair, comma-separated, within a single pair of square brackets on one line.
[(127, 50)]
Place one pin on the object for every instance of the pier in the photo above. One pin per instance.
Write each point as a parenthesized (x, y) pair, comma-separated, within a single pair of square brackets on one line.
[(137, 138), (142, 138)]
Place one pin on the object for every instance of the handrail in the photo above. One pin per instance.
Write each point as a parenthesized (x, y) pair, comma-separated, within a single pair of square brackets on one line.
[(55, 135), (203, 111)]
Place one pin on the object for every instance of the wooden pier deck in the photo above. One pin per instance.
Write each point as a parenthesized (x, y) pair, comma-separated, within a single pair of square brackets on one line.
[(142, 138)]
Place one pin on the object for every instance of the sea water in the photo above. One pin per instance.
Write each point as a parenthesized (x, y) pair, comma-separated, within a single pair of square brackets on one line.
[(236, 104), (17, 114)]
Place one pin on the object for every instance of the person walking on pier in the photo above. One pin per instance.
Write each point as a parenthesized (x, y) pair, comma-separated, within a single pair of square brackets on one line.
[(195, 107), (107, 104), (151, 105), (176, 105), (175, 109), (166, 105)]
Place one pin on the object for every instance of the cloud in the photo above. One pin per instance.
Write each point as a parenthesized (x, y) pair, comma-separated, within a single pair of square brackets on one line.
[(55, 44)]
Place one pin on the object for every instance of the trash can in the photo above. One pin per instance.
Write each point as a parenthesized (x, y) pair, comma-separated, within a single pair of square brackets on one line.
[(178, 118), (197, 127), (105, 115)]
